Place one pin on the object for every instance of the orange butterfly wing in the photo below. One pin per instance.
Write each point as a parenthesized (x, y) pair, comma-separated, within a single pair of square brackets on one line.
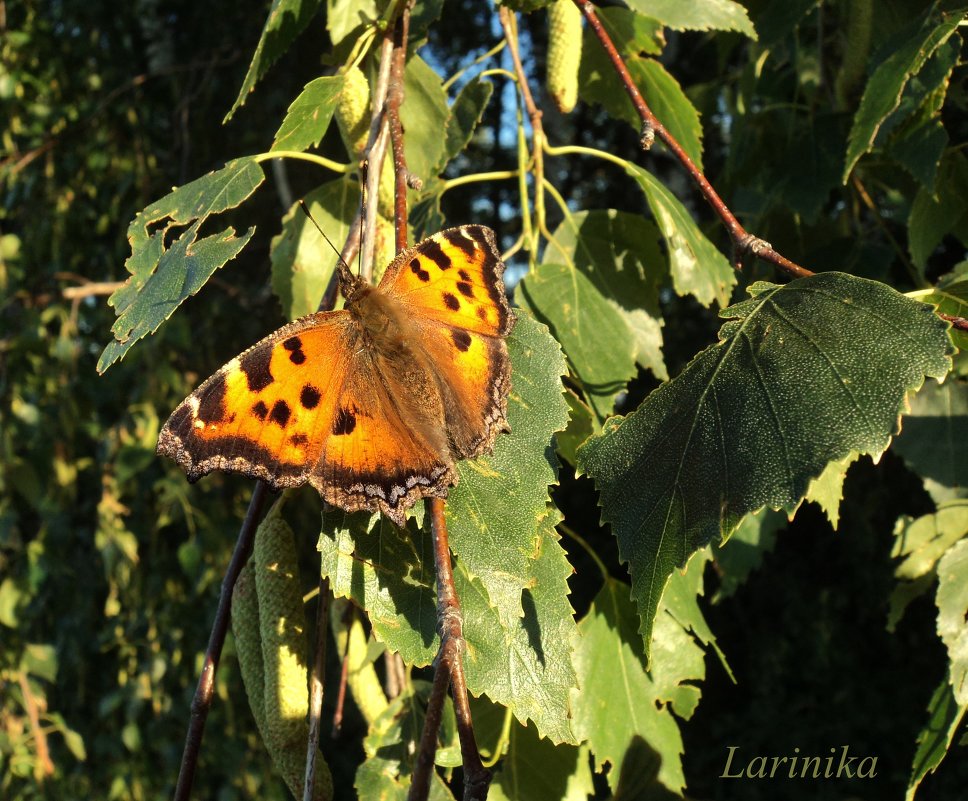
[(452, 286), (373, 404), (307, 404)]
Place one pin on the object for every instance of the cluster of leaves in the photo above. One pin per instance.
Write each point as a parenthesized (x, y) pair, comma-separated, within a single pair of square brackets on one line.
[(834, 136)]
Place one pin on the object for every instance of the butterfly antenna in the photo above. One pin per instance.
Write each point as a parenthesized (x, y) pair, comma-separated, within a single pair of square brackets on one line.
[(364, 168), (345, 276)]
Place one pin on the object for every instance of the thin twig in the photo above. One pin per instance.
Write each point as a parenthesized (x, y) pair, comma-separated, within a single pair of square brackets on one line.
[(401, 31), (956, 322), (44, 766), (376, 148), (316, 688), (347, 624), (202, 701), (743, 241), (90, 289), (509, 25)]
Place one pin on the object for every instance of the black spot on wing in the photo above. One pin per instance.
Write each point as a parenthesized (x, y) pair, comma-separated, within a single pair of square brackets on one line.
[(211, 408), (344, 423), (482, 313), (464, 275), (419, 271), (461, 241), (260, 410), (461, 339), (293, 343), (451, 302), (299, 440), (309, 397), (255, 365), (435, 253), (280, 413), (465, 289), (297, 357)]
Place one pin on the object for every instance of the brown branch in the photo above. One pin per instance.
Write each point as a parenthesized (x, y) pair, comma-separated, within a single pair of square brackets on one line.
[(202, 701), (743, 242), (316, 688), (956, 322), (44, 766), (401, 31), (509, 25)]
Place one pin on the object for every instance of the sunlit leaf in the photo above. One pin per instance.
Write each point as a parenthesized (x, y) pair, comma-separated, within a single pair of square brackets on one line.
[(309, 115), (302, 261), (953, 616), (163, 276), (700, 15), (287, 19), (698, 268)]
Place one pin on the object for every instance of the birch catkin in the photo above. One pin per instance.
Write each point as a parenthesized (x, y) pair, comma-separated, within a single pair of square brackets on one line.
[(564, 53)]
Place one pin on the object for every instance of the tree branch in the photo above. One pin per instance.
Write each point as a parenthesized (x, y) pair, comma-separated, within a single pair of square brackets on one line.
[(743, 241), (202, 701)]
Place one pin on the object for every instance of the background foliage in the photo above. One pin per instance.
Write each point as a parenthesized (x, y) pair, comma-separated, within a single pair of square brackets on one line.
[(833, 130)]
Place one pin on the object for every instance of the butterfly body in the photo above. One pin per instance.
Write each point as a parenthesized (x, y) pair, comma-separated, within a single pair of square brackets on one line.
[(373, 404)]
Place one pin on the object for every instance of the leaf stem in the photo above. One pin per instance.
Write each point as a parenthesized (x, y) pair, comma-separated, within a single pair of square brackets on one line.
[(574, 535), (322, 161), (499, 175), (480, 59)]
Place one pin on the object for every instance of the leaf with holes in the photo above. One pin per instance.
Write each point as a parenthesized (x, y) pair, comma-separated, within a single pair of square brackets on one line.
[(163, 276)]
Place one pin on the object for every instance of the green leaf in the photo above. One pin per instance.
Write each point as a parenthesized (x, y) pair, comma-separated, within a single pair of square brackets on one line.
[(740, 428), (952, 611), (743, 552), (620, 254), (424, 115), (345, 16), (934, 216), (580, 427), (309, 115), (162, 278), (619, 700), (509, 559), (827, 489), (521, 662), (12, 600), (886, 85), (302, 261), (932, 441), (698, 268), (286, 20), (534, 769), (390, 745), (919, 151), (598, 83), (592, 332), (527, 667), (465, 115), (500, 499), (944, 718), (924, 540), (698, 15), (950, 296), (40, 660)]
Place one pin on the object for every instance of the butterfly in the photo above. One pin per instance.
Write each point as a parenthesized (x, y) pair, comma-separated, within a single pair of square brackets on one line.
[(373, 404)]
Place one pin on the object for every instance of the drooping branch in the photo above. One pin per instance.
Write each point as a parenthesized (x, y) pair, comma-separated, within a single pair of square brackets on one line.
[(316, 679), (743, 241), (202, 701)]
